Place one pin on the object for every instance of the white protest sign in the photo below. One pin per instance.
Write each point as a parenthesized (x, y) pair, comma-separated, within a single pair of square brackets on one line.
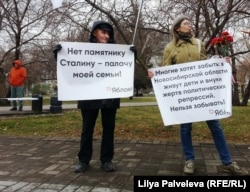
[(87, 71), (193, 92)]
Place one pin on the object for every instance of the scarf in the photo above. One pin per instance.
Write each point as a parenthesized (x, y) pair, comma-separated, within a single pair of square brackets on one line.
[(185, 35)]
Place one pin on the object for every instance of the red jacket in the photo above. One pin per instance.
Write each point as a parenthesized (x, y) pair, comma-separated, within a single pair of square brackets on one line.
[(17, 74)]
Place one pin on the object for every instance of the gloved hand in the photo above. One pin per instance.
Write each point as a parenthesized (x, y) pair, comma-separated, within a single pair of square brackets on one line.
[(133, 49), (57, 48)]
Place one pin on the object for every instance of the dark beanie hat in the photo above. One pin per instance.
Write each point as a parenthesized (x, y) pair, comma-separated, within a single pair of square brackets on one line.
[(103, 25)]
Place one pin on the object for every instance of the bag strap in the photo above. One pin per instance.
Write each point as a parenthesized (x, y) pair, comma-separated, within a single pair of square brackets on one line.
[(199, 46)]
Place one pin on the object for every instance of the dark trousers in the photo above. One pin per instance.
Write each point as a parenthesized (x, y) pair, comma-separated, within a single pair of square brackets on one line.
[(89, 117)]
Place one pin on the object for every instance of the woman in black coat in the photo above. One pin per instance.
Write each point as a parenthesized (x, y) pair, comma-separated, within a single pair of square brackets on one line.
[(102, 32)]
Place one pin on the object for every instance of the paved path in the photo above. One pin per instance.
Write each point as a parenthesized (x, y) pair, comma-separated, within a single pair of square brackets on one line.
[(5, 110), (47, 164)]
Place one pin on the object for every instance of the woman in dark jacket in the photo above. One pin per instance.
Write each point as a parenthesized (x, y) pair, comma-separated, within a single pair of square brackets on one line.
[(102, 32)]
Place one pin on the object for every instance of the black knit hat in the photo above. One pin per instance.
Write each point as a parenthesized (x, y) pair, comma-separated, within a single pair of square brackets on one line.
[(103, 25)]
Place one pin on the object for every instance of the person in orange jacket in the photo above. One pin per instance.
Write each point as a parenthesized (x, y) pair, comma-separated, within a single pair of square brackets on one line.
[(17, 77)]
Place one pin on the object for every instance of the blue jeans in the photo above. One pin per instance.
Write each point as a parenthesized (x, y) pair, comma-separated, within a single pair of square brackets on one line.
[(17, 92), (218, 137)]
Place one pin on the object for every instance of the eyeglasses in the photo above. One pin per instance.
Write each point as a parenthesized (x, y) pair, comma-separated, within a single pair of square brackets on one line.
[(187, 23)]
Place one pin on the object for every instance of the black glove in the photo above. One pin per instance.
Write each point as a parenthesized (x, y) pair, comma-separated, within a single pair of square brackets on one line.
[(57, 48), (134, 50)]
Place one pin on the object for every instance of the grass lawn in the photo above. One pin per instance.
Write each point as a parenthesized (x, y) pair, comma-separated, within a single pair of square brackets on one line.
[(142, 123)]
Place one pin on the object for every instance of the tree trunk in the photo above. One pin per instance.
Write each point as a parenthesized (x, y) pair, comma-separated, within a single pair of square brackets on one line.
[(235, 95), (246, 95), (242, 90), (3, 89)]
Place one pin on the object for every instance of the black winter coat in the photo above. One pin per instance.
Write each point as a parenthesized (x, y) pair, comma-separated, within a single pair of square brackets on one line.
[(100, 103)]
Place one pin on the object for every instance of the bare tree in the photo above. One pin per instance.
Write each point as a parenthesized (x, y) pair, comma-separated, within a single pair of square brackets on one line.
[(32, 28), (23, 21), (243, 77)]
